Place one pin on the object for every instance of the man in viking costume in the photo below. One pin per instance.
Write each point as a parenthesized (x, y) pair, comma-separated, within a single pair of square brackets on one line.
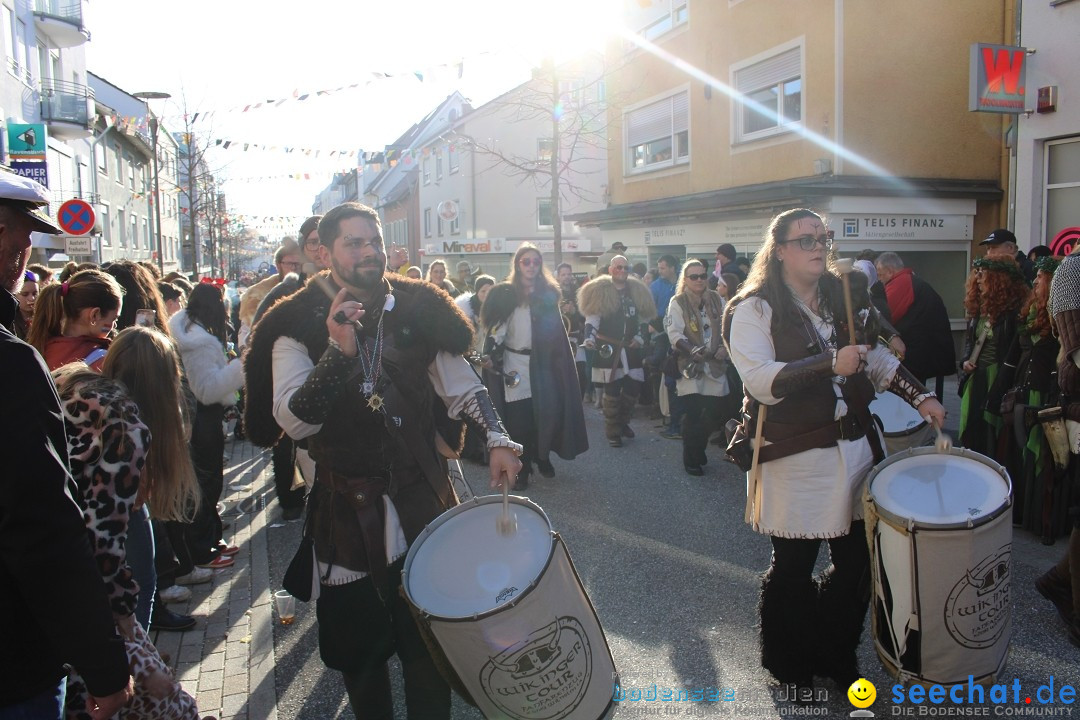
[(617, 310), (366, 367)]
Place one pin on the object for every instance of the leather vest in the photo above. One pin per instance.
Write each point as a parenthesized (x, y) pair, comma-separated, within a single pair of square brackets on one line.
[(621, 325)]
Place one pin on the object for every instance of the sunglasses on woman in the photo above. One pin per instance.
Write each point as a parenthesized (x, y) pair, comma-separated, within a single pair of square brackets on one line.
[(697, 276), (531, 262)]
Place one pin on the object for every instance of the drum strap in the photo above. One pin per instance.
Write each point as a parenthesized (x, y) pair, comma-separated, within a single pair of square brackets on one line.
[(365, 496), (791, 439)]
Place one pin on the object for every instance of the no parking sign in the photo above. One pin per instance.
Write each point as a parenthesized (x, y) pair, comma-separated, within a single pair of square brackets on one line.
[(76, 217)]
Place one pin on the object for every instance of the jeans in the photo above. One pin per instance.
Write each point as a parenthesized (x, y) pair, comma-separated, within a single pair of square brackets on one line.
[(45, 706), (140, 558)]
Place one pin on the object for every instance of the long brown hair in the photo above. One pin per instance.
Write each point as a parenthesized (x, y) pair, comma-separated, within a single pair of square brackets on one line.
[(140, 293), (545, 281), (146, 362), (766, 278), (58, 303)]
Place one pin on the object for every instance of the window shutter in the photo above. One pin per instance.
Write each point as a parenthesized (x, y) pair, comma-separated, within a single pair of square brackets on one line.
[(651, 122), (680, 113), (785, 66)]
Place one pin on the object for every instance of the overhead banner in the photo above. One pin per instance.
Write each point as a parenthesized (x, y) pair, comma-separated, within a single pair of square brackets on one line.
[(997, 78)]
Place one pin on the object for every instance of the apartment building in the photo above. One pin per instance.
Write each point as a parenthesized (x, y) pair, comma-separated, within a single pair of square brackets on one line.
[(724, 113), (46, 105), (123, 181), (485, 185)]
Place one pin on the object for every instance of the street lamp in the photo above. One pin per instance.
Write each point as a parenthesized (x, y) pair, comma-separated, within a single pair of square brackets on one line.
[(152, 95)]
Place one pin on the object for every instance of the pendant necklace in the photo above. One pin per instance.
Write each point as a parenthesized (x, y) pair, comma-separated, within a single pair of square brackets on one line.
[(371, 364)]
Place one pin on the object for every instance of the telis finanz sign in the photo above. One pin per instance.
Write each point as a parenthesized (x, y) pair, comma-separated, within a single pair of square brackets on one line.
[(997, 78)]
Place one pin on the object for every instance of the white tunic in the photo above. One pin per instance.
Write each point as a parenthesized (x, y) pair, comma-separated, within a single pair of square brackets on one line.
[(816, 493), (705, 383), (516, 333)]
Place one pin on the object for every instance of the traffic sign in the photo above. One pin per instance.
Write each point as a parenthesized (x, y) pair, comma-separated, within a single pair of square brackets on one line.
[(79, 246), (76, 217)]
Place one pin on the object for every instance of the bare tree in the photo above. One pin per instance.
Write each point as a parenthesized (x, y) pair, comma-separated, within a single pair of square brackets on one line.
[(197, 188), (570, 97)]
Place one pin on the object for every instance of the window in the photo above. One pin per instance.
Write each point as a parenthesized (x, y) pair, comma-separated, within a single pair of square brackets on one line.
[(10, 40), (134, 232), (146, 234), (439, 224), (438, 166), (543, 151), (102, 159), (455, 224), (658, 134), (106, 228), (130, 170), (455, 158), (659, 17), (774, 86), (426, 165), (116, 162), (1062, 194), (543, 214), (121, 228), (427, 222)]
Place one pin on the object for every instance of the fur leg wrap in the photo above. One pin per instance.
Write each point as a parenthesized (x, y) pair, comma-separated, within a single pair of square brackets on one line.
[(841, 612), (787, 612), (628, 401), (612, 415)]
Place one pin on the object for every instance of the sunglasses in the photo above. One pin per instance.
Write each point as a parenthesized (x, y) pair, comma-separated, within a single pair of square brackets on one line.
[(619, 267), (809, 242), (697, 276), (530, 262)]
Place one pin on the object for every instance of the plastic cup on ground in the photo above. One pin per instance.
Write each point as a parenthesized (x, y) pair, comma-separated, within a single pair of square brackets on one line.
[(285, 604)]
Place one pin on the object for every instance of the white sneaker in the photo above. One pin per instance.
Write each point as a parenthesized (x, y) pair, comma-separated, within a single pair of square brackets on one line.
[(197, 576), (174, 594)]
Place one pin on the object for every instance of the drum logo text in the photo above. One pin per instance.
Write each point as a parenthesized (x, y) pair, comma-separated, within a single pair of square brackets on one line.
[(979, 605), (544, 676)]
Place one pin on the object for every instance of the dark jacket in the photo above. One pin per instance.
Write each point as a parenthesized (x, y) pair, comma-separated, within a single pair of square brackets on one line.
[(927, 334), (556, 395), (53, 598)]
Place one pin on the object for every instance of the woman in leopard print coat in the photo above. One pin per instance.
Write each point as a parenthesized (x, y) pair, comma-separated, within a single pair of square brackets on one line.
[(107, 443)]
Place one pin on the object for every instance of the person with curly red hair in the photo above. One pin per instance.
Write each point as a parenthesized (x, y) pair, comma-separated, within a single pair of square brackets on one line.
[(995, 291), (1027, 380)]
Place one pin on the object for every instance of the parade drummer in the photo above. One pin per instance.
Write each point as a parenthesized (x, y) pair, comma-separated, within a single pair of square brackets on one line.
[(787, 333), (368, 396)]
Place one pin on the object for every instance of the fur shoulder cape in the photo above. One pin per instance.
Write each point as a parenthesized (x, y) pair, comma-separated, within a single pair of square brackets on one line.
[(302, 316), (500, 303), (600, 297)]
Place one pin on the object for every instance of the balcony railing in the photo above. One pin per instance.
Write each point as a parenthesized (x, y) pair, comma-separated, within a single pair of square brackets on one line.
[(63, 101), (19, 71), (70, 12)]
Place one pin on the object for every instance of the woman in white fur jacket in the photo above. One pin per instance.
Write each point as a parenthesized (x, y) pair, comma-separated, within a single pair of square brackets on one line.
[(214, 379)]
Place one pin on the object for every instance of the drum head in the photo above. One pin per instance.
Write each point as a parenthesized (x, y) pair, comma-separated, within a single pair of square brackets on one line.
[(939, 489), (897, 417), (460, 566)]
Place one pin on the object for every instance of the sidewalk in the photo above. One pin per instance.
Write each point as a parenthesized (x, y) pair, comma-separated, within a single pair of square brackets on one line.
[(227, 660)]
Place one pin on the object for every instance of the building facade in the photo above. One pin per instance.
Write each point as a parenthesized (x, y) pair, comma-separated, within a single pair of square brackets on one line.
[(47, 106), (724, 113), (1047, 147), (123, 181)]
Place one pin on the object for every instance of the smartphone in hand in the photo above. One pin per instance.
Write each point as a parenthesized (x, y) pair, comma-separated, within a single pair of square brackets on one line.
[(145, 318)]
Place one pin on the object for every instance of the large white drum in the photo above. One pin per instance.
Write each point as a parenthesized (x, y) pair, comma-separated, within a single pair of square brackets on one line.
[(509, 614), (941, 539), (901, 424)]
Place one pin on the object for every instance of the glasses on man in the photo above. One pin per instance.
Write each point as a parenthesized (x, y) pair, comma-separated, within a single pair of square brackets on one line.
[(530, 262), (697, 276), (619, 267), (809, 242), (292, 265), (312, 240)]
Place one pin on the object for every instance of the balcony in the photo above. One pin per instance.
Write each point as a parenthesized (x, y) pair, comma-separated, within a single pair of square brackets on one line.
[(68, 108), (61, 21)]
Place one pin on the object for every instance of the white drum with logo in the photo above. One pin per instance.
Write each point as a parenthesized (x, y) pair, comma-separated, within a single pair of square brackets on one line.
[(509, 614), (941, 533), (901, 424)]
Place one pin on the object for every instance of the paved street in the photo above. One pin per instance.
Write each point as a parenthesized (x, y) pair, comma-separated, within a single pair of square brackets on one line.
[(666, 558)]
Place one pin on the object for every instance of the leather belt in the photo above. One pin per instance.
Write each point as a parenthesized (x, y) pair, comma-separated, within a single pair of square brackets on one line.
[(793, 438), (523, 351), (364, 495)]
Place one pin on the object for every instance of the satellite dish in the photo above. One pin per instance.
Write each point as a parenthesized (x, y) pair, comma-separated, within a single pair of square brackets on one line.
[(448, 210)]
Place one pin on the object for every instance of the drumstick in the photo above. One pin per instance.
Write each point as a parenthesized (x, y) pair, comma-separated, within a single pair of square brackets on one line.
[(505, 523), (942, 441), (751, 490), (845, 266)]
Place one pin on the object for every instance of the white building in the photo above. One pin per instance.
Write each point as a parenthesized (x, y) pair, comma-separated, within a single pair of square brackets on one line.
[(1047, 147), (46, 105), (484, 185)]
